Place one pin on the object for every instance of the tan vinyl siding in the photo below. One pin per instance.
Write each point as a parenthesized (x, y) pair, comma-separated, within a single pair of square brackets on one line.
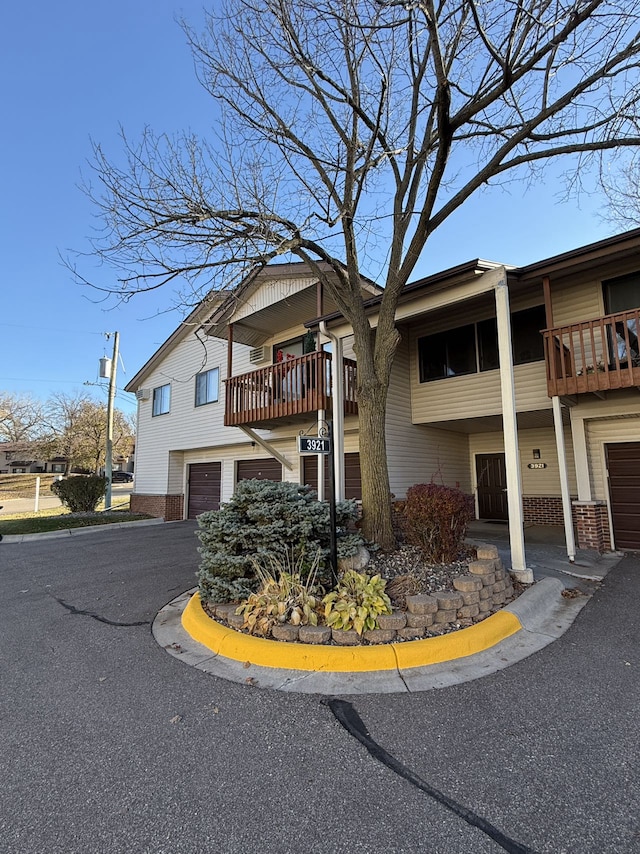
[(535, 482), (290, 334), (580, 297), (270, 292), (418, 454), (476, 395), (599, 433), (347, 348), (185, 425), (576, 301)]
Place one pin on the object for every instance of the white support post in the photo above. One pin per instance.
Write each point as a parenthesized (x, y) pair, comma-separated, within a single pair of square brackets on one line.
[(580, 456), (320, 457), (337, 364), (510, 430), (337, 399), (36, 503), (564, 479)]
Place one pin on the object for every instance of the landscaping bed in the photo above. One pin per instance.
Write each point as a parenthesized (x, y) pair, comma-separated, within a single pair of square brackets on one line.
[(427, 600)]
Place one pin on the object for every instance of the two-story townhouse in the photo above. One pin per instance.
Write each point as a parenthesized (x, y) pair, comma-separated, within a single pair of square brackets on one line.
[(225, 397), (18, 458), (519, 385)]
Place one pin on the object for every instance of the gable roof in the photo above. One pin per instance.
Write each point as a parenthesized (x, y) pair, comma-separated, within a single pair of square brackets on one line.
[(215, 312), (253, 327)]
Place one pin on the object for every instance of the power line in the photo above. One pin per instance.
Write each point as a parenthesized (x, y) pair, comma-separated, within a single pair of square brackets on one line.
[(48, 329)]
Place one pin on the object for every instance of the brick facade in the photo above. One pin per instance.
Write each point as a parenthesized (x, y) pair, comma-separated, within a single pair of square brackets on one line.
[(168, 507), (542, 510), (591, 521)]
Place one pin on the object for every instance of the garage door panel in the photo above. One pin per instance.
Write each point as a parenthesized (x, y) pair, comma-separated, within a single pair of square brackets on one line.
[(626, 495), (352, 477), (623, 463), (204, 488), (262, 469)]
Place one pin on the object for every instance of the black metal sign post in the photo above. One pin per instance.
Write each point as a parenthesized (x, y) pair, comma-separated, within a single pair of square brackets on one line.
[(322, 446), (333, 543)]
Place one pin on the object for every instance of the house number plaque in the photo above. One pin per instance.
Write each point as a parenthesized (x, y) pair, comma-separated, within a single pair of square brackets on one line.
[(537, 465), (313, 445)]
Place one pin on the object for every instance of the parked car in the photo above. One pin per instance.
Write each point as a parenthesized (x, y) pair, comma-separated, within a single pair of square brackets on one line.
[(121, 477)]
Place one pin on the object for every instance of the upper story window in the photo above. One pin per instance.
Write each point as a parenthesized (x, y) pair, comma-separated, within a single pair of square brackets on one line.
[(474, 347), (161, 399), (622, 293), (447, 354), (207, 387), (294, 348)]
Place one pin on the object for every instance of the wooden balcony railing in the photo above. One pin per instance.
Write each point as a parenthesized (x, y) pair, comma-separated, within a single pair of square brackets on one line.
[(594, 355), (287, 389)]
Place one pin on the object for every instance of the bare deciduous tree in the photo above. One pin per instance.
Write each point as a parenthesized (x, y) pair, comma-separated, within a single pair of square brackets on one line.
[(620, 180), (349, 130), (77, 430), (20, 417)]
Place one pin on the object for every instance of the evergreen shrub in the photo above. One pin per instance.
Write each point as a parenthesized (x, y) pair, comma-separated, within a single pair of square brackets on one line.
[(263, 520), (81, 494), (435, 518)]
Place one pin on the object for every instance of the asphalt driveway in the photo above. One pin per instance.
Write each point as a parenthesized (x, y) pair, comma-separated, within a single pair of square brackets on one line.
[(108, 744)]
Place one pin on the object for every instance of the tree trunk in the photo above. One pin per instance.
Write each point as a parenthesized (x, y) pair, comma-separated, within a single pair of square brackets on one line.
[(377, 523)]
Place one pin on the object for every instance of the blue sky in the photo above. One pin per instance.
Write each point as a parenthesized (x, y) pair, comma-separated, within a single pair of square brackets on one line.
[(75, 71)]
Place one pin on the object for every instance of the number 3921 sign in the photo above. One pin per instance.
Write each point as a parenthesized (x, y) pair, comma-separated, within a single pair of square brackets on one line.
[(313, 445)]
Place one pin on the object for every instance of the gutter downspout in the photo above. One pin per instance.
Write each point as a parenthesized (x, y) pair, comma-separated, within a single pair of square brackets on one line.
[(337, 400)]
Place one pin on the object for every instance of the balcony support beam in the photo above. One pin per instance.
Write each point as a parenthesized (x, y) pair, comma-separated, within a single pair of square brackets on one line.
[(266, 445)]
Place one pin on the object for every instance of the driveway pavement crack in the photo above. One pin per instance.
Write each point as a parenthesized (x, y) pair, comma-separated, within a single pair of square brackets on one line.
[(348, 717), (73, 610)]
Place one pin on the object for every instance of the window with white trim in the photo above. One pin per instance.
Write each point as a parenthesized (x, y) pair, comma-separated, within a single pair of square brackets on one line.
[(161, 399), (207, 386)]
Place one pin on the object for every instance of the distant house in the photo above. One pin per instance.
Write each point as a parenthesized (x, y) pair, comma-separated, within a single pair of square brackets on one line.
[(519, 385), (19, 458)]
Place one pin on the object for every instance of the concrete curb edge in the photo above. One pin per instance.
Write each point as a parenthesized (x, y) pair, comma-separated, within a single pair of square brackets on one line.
[(76, 532), (542, 614)]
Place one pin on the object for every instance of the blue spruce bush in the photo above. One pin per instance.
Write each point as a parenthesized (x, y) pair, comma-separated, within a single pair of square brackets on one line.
[(263, 520)]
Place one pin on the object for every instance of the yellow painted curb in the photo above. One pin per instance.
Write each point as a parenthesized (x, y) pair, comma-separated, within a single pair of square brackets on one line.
[(344, 659)]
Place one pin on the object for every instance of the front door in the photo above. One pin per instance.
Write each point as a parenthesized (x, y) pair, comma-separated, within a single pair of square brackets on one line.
[(491, 477)]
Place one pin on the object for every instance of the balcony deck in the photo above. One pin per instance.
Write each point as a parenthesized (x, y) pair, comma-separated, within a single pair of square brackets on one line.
[(286, 391), (594, 355)]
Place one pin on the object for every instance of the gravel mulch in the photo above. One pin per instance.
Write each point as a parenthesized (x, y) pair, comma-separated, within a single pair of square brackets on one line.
[(408, 560)]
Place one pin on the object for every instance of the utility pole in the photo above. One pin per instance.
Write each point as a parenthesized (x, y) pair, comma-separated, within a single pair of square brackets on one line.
[(108, 467)]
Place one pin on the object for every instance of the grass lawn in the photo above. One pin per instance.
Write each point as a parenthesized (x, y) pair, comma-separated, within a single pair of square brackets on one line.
[(59, 519), (24, 485)]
